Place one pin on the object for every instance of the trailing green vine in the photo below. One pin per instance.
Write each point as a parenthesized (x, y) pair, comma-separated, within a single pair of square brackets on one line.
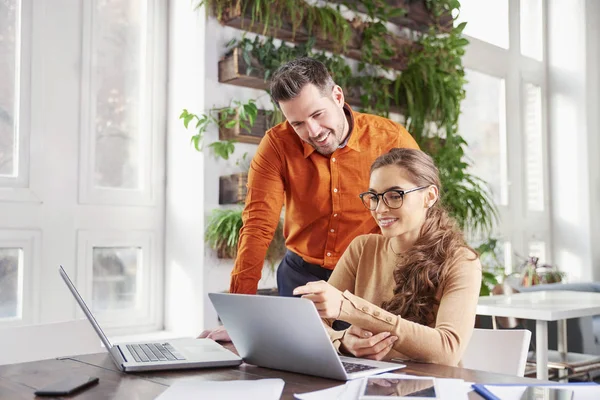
[(429, 90), (322, 22)]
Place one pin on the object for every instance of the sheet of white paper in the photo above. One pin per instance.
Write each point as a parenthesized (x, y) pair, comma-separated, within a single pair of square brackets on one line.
[(454, 389), (263, 389), (580, 392)]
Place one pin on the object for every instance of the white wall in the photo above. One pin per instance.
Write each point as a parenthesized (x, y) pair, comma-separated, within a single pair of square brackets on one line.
[(573, 129), (184, 244)]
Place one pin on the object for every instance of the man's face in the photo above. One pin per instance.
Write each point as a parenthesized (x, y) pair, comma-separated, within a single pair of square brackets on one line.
[(318, 120)]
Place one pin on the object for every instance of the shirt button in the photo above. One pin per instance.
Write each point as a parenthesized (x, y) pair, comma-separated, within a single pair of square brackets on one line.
[(335, 215), (333, 159), (389, 319), (333, 230), (365, 309), (376, 313), (335, 190), (328, 254)]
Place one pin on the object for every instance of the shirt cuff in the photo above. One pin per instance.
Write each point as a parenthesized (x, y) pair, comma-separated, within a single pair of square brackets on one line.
[(336, 339), (358, 311)]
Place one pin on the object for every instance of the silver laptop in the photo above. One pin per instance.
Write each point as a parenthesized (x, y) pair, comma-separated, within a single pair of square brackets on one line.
[(173, 354), (287, 333)]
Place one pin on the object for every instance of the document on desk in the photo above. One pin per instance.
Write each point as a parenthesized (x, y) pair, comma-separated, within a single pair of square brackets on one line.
[(451, 389), (581, 391), (267, 389)]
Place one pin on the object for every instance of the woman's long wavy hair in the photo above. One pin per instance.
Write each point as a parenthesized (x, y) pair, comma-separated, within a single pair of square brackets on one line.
[(421, 270)]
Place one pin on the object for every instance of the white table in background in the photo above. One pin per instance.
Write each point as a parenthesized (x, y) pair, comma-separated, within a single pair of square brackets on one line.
[(543, 306)]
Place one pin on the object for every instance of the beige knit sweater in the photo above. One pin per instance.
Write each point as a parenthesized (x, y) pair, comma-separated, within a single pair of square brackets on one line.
[(365, 276)]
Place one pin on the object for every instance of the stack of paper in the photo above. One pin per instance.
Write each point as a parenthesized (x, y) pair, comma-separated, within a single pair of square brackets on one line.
[(263, 389), (451, 389)]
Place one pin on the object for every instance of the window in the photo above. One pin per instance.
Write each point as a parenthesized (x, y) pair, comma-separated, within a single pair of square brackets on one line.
[(482, 124), (486, 20), (533, 147), (99, 113), (531, 29), (115, 278), (118, 51), (11, 282), (9, 110), (503, 117), (117, 119)]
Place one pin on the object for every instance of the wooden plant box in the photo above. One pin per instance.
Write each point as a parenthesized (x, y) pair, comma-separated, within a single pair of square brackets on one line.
[(417, 17), (232, 70), (233, 17), (237, 133), (233, 189)]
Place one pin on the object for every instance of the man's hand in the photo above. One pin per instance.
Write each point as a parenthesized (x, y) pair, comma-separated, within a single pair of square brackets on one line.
[(364, 344), (219, 335), (327, 299)]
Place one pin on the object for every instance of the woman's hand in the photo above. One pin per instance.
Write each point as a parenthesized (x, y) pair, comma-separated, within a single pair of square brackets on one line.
[(362, 343), (327, 299)]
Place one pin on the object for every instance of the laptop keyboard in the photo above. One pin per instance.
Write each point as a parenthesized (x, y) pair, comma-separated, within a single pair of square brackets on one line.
[(353, 367), (148, 352)]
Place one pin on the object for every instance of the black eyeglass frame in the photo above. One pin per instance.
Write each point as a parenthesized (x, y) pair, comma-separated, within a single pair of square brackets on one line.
[(401, 193)]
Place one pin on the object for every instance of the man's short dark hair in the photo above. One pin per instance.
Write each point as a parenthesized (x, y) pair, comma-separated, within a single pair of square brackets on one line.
[(290, 79)]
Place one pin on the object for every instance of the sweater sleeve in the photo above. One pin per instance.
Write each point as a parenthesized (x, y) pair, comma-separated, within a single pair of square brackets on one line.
[(343, 279), (447, 340)]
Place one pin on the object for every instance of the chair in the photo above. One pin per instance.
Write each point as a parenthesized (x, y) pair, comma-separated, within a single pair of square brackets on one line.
[(502, 351), (38, 342)]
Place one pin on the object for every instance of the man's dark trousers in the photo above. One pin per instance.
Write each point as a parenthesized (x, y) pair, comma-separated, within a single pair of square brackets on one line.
[(293, 271)]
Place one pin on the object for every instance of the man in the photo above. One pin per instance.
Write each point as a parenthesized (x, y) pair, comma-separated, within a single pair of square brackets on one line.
[(316, 163)]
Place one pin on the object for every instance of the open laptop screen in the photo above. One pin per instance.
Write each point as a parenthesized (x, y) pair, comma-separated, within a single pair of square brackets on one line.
[(84, 308)]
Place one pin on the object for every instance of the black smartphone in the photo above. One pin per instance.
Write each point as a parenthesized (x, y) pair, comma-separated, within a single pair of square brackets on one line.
[(546, 393), (67, 386)]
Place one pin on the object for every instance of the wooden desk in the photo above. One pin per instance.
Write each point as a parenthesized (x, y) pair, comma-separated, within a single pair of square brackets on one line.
[(19, 381)]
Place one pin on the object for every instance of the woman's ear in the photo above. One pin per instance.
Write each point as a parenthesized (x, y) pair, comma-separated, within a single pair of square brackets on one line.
[(432, 196)]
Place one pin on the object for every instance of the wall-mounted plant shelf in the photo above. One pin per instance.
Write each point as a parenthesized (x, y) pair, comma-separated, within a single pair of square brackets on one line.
[(235, 19), (232, 70), (233, 189), (262, 123), (417, 17)]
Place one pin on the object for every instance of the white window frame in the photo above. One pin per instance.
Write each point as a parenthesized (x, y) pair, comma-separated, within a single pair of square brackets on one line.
[(149, 148), (517, 224), (144, 319)]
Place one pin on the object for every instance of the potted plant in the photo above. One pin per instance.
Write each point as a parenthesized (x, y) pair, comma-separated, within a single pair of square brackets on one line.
[(492, 269), (222, 234), (530, 274)]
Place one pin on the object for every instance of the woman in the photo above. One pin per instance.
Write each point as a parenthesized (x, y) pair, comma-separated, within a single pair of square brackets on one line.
[(411, 292)]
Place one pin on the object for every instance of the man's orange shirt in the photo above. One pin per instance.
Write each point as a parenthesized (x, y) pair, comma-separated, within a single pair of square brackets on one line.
[(323, 212)]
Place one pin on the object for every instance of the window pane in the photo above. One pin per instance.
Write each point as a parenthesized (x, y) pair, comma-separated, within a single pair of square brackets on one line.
[(534, 151), (482, 124), (115, 281), (486, 20), (118, 72), (538, 249), (531, 28), (9, 31), (10, 282)]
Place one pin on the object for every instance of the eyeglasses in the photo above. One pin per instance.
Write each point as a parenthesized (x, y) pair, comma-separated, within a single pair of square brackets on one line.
[(392, 198)]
